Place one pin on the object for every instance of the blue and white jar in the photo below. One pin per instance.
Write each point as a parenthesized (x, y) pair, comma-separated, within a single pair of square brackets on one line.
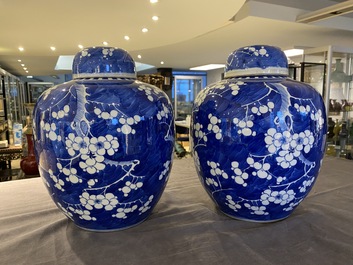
[(258, 137), (104, 142)]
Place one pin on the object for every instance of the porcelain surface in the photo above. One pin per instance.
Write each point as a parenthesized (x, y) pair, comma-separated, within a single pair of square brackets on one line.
[(257, 60), (258, 142), (104, 146), (103, 62)]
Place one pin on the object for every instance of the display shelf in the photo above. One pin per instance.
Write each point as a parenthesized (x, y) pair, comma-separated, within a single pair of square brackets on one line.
[(11, 112), (4, 133), (312, 73), (35, 89), (338, 96)]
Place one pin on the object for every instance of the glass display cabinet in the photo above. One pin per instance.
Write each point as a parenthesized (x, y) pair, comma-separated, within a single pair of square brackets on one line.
[(11, 104), (4, 133), (338, 95), (35, 89), (11, 112), (15, 98), (312, 73)]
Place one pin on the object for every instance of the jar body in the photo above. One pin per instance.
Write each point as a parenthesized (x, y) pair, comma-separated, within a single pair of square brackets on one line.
[(258, 143), (104, 149)]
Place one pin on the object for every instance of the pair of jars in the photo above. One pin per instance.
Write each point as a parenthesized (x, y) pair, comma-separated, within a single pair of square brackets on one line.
[(104, 141)]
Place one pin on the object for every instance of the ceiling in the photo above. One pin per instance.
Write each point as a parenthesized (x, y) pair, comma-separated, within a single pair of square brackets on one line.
[(188, 33)]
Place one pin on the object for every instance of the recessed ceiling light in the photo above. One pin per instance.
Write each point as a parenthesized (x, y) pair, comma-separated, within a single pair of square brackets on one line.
[(52, 48), (21, 49), (153, 1), (126, 37), (144, 30), (155, 18), (24, 68), (19, 61), (80, 46), (105, 43), (27, 72), (162, 62), (22, 64), (139, 56)]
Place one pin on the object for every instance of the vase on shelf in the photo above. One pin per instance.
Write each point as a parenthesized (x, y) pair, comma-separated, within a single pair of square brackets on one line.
[(258, 137), (28, 163), (104, 142), (330, 128)]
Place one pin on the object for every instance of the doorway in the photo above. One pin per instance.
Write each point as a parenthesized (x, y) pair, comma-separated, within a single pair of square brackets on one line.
[(184, 92)]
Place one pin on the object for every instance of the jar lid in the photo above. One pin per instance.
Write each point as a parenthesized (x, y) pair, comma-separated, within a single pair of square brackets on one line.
[(103, 62), (256, 60)]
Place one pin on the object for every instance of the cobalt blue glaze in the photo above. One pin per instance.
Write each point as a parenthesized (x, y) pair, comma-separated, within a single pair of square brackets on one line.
[(104, 142), (103, 62), (258, 137), (246, 61)]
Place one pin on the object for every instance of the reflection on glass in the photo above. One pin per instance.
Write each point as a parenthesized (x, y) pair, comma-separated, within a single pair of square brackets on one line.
[(185, 91), (35, 89)]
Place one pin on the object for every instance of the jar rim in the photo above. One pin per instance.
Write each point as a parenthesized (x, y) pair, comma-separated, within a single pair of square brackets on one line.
[(279, 71)]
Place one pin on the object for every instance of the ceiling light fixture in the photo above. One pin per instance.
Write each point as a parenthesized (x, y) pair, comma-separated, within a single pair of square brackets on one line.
[(64, 62), (22, 64), (162, 62), (153, 1), (80, 46), (126, 37), (327, 12), (139, 56), (155, 18), (207, 67), (105, 43), (19, 61), (52, 48), (21, 49), (293, 52), (142, 66), (144, 30)]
